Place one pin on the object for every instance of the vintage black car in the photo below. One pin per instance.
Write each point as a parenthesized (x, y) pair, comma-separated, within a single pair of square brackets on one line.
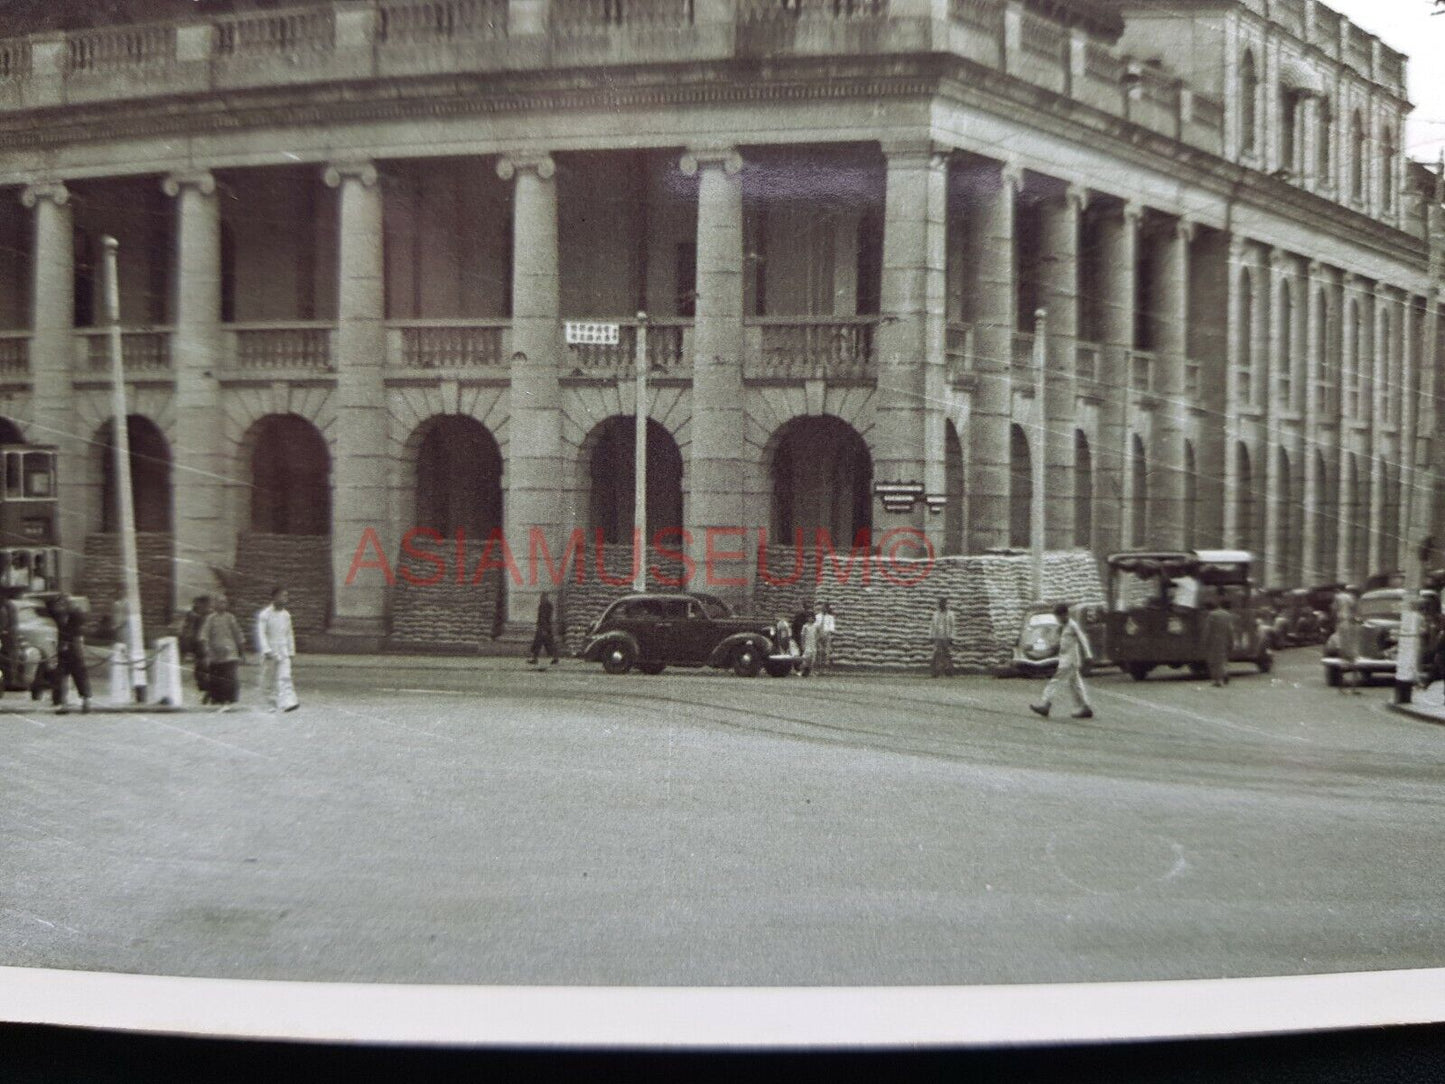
[(28, 638), (653, 631)]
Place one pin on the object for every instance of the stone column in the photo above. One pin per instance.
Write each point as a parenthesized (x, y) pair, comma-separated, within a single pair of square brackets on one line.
[(1314, 328), (1380, 551), (1346, 558), (1237, 392), (1167, 467), (910, 413), (718, 471), (995, 300), (1276, 519), (51, 353), (1409, 385), (1120, 269), (360, 469), (1061, 384), (196, 353), (533, 469)]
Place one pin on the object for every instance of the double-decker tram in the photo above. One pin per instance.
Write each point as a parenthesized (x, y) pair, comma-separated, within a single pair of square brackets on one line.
[(29, 561)]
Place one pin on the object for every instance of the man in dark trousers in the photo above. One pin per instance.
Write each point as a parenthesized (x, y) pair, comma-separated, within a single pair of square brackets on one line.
[(70, 656), (1218, 639), (543, 640)]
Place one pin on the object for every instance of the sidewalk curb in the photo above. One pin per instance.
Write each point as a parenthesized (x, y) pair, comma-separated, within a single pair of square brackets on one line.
[(1414, 712)]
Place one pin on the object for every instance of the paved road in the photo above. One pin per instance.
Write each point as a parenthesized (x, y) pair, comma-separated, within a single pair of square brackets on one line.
[(492, 824)]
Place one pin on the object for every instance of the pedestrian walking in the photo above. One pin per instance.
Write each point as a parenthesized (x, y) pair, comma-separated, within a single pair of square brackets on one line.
[(276, 640), (543, 639), (70, 656), (827, 623), (1347, 637), (190, 642), (941, 630), (1074, 653), (1218, 640), (224, 650), (808, 645)]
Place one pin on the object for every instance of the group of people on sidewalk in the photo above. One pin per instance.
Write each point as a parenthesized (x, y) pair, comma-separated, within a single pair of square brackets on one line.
[(211, 636), (809, 635)]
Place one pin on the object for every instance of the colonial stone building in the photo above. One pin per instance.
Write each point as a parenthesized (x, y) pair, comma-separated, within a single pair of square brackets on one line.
[(350, 233)]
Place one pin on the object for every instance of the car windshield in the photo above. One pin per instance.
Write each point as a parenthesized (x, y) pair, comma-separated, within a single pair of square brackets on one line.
[(1386, 607), (715, 608), (1042, 619)]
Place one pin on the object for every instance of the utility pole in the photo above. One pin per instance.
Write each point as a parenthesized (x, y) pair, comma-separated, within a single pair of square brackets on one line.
[(125, 503), (639, 474), (1036, 461)]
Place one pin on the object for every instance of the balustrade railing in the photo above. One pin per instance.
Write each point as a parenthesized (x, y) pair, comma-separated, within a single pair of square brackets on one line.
[(1359, 54), (116, 48), (1141, 372), (1023, 352), (1326, 32), (1102, 64), (282, 346), (1086, 362), (667, 354), (451, 344), (577, 16), (430, 22), (14, 58), (1158, 88), (1042, 37), (812, 347), (1209, 112), (270, 34), (958, 350), (14, 353), (1291, 15), (141, 351), (984, 15)]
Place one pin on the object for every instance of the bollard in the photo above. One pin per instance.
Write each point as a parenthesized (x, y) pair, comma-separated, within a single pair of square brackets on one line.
[(165, 682), (119, 676)]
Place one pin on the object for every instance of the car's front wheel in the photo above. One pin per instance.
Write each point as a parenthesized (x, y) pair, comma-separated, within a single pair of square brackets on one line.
[(779, 669), (1139, 670), (747, 660), (617, 658), (1332, 677), (651, 669)]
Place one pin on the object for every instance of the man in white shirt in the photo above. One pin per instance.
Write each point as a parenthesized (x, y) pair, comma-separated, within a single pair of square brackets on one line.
[(277, 643), (941, 631)]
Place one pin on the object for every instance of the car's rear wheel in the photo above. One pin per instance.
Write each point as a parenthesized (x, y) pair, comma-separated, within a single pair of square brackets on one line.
[(652, 669), (1265, 662), (1139, 670), (779, 669), (747, 660), (1198, 669), (617, 658), (1332, 677)]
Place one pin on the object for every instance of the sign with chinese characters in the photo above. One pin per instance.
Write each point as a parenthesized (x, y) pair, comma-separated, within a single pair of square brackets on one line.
[(898, 496), (590, 334)]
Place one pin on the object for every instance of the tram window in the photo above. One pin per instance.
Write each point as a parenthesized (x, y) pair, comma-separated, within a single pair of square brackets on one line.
[(37, 474), (12, 474)]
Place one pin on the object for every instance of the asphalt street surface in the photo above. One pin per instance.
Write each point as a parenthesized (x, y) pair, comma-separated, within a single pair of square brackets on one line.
[(481, 822)]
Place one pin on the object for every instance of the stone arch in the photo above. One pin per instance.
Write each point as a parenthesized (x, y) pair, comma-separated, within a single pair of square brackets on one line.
[(1248, 104), (150, 476), (10, 432), (457, 475), (1138, 492), (1353, 526), (1191, 497), (1326, 514), (1021, 488), (1083, 491), (953, 489), (608, 458), (290, 476), (1286, 519), (1358, 154), (822, 479), (1246, 334)]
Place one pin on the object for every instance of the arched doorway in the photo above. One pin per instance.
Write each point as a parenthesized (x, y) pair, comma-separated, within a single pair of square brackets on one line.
[(953, 490), (1083, 491), (611, 483), (458, 478), (289, 540), (150, 488), (1191, 497), (1138, 492), (150, 476), (1021, 489), (1326, 521), (1244, 497), (1287, 528), (822, 476), (290, 477)]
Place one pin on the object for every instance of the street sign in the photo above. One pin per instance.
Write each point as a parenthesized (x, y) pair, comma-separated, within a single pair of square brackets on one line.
[(898, 496), (590, 334), (936, 502)]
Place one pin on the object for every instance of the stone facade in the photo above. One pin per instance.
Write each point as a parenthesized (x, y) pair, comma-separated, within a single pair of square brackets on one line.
[(343, 313)]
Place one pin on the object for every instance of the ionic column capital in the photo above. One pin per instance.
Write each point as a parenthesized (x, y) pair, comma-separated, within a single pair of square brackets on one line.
[(726, 158), (539, 162), (916, 153), (1185, 228), (1012, 175), (1132, 212), (202, 180), (49, 191), (362, 171), (1076, 197), (1238, 249), (1315, 269)]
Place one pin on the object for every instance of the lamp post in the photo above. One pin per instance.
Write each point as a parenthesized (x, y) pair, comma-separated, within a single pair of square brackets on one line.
[(639, 453), (1036, 509), (125, 503)]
